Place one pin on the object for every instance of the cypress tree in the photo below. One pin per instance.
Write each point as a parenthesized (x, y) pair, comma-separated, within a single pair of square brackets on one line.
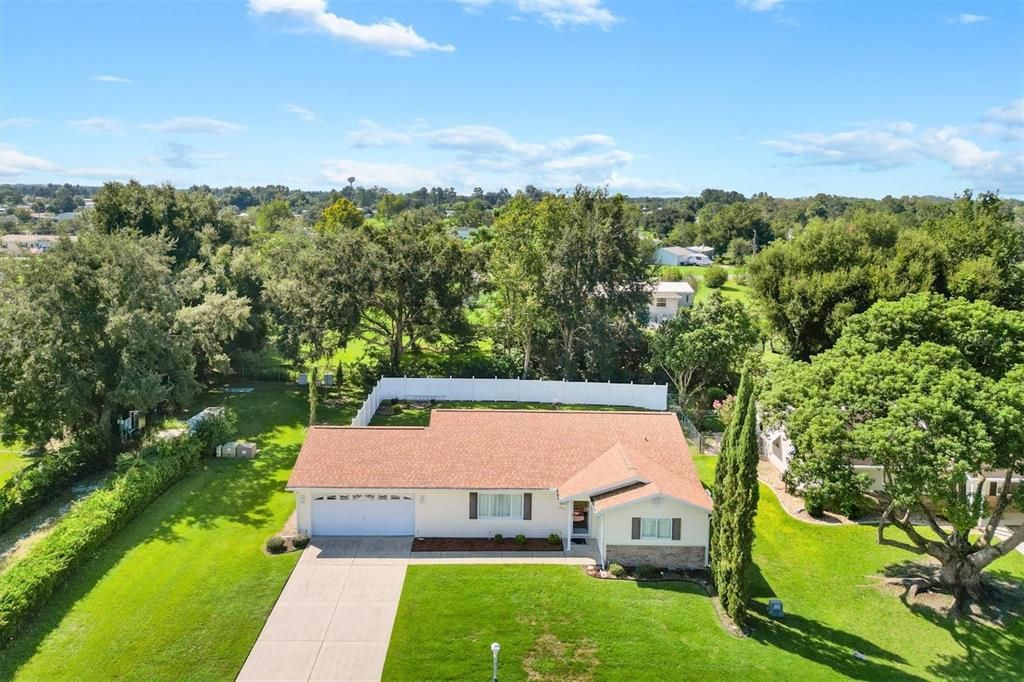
[(743, 509), (736, 496), (723, 542)]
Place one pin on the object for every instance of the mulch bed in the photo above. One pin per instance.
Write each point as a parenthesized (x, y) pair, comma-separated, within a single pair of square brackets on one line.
[(483, 545)]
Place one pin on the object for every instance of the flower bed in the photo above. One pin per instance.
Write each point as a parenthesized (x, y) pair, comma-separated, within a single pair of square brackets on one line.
[(483, 545)]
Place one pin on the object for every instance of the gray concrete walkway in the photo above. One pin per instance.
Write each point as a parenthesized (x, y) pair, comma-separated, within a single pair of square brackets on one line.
[(334, 617)]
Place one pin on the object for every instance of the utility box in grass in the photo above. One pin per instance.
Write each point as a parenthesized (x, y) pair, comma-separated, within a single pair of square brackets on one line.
[(775, 609), (246, 450), (227, 449)]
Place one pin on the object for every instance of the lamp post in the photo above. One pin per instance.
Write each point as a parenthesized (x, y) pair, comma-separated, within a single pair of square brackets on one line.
[(495, 648)]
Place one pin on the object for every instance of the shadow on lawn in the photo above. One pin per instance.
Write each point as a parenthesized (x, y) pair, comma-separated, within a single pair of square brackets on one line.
[(238, 491), (827, 646), (992, 639)]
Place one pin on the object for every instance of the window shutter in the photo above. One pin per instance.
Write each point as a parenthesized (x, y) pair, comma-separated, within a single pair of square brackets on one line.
[(677, 529), (527, 506), (636, 527), (472, 505)]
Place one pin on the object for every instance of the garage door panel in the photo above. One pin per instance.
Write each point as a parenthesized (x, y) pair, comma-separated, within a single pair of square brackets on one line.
[(376, 514)]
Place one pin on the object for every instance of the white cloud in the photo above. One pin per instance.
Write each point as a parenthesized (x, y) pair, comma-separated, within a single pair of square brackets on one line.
[(557, 13), (372, 134), (387, 34), (180, 155), (192, 124), (759, 5), (639, 186), (968, 19), (302, 112), (486, 155), (18, 122), (14, 162), (589, 162), (878, 146), (112, 79), (394, 176), (98, 124)]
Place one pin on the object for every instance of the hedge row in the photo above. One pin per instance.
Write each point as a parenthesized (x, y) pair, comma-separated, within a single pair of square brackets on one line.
[(37, 483), (28, 583)]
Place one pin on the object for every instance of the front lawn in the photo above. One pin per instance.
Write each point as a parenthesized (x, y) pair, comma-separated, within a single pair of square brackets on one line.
[(555, 623), (183, 591)]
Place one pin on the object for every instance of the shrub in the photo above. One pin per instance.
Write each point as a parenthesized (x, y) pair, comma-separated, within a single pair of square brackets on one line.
[(520, 539), (300, 541), (647, 572), (814, 506), (27, 584), (275, 544), (215, 430), (393, 401), (716, 276), (396, 409), (554, 539), (617, 570), (498, 537), (37, 483)]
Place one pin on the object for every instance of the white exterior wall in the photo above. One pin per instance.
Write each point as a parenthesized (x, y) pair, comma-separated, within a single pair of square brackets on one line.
[(665, 257), (875, 473), (618, 522), (445, 512), (644, 396)]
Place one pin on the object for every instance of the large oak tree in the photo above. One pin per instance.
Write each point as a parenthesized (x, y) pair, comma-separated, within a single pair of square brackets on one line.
[(933, 391)]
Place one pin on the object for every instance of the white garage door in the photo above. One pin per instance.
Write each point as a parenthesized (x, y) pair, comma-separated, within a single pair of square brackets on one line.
[(376, 514)]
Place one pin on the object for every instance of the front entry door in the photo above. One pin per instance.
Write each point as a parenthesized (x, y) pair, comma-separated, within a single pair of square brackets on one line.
[(581, 517)]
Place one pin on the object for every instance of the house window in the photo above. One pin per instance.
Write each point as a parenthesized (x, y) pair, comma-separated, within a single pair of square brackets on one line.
[(993, 488), (500, 506), (660, 303), (655, 529)]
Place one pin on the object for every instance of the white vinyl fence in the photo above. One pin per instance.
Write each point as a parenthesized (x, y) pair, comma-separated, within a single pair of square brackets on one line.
[(645, 396)]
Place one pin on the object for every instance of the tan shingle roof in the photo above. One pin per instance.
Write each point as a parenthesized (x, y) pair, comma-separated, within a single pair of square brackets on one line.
[(504, 449)]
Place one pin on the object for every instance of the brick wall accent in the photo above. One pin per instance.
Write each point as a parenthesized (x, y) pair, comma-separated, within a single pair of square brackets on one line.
[(662, 556)]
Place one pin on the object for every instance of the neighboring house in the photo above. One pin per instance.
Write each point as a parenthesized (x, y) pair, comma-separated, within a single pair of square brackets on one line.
[(623, 481), (683, 255), (27, 244), (777, 449), (666, 300)]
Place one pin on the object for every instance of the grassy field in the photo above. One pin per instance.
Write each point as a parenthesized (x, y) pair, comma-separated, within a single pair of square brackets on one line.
[(183, 591), (555, 623), (731, 289), (420, 416), (11, 461), (12, 457)]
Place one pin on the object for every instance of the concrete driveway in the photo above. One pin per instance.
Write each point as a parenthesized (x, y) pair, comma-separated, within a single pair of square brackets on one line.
[(334, 617)]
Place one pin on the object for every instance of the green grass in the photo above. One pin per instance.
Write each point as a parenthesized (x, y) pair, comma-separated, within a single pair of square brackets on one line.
[(420, 416), (11, 460), (183, 591), (555, 623)]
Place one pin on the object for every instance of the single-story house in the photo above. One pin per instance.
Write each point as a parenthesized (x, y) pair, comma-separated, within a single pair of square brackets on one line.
[(28, 244), (683, 255), (666, 300), (778, 449), (623, 481)]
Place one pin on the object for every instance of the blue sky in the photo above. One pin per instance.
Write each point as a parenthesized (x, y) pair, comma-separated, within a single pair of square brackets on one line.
[(791, 98)]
